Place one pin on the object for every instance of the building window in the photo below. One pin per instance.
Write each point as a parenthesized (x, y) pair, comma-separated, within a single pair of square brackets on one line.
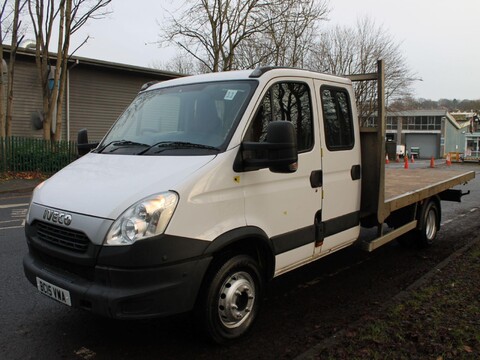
[(392, 123), (426, 123)]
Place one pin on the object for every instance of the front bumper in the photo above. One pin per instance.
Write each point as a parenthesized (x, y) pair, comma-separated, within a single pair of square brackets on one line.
[(126, 293)]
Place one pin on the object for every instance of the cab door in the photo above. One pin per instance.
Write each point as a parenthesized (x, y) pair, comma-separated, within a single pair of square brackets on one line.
[(284, 206), (341, 159)]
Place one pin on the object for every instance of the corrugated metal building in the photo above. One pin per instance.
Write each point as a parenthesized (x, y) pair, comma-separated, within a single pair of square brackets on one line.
[(97, 93)]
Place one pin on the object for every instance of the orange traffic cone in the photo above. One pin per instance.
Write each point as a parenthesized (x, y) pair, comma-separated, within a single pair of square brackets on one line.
[(413, 159), (406, 162), (432, 162), (449, 160), (387, 161), (397, 159)]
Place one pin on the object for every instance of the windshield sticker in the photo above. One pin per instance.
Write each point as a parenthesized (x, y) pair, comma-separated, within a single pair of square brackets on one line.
[(230, 94)]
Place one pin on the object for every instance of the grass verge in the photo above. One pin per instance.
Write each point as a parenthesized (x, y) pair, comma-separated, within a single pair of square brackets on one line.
[(439, 319)]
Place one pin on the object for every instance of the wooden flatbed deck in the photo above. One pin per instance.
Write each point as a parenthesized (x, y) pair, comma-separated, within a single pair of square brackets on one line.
[(408, 186)]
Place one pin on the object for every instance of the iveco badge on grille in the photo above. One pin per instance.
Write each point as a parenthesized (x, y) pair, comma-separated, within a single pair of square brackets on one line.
[(57, 217)]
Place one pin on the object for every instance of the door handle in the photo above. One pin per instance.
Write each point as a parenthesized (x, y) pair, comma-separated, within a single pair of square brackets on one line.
[(316, 179), (356, 172)]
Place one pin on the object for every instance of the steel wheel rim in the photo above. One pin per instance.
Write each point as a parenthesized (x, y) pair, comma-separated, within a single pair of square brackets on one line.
[(236, 299), (431, 224)]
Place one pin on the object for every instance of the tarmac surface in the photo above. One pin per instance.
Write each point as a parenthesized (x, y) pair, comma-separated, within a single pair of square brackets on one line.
[(18, 185)]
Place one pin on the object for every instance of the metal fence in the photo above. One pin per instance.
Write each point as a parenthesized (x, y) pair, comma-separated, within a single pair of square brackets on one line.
[(18, 154)]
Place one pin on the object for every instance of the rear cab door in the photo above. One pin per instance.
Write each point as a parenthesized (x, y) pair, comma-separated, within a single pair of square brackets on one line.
[(341, 160)]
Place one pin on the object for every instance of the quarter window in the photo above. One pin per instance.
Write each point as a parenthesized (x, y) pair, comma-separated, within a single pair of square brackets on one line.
[(337, 119)]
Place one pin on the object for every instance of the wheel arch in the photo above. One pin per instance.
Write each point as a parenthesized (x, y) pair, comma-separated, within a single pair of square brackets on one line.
[(247, 240)]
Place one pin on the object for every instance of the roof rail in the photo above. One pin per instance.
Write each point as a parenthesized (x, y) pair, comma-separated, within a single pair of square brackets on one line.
[(260, 70), (148, 84)]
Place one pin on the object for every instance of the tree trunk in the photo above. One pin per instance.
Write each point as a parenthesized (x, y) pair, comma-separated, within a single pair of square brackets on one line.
[(2, 96), (62, 82), (11, 67)]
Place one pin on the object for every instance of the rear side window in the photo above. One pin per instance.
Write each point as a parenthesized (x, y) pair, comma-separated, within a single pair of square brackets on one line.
[(288, 101), (337, 119)]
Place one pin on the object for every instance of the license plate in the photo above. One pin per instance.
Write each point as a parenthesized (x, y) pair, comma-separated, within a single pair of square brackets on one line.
[(54, 292)]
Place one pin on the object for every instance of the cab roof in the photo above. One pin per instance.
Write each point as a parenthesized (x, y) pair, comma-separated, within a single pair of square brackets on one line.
[(260, 73)]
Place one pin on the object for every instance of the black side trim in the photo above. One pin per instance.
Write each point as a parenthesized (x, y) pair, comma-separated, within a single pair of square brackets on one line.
[(293, 239), (341, 223), (232, 236), (314, 233)]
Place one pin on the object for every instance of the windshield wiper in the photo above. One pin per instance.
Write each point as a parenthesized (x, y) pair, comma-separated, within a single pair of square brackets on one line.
[(166, 145), (120, 143)]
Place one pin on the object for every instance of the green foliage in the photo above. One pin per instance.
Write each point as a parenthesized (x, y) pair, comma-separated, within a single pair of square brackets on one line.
[(35, 155)]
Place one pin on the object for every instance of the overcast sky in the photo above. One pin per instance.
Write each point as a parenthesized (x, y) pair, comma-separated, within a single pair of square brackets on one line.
[(440, 38)]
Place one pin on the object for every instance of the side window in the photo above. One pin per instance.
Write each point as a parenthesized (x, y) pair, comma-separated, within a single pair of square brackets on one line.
[(337, 119), (287, 101)]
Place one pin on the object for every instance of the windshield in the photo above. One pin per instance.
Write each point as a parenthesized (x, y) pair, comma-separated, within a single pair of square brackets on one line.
[(187, 119)]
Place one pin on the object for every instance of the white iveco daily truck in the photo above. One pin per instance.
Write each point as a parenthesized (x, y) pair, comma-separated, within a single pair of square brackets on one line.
[(208, 186)]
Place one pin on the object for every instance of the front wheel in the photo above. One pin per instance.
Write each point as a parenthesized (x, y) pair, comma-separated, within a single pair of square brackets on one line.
[(230, 302)]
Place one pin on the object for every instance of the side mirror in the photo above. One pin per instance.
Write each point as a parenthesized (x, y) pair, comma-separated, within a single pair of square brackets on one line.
[(83, 146), (279, 153)]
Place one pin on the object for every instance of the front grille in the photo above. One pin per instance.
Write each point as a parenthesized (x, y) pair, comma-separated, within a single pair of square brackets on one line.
[(84, 271), (62, 237)]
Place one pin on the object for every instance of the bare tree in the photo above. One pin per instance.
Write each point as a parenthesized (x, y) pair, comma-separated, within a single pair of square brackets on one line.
[(63, 18), (5, 20), (292, 28), (16, 39), (233, 34), (211, 31), (345, 50), (181, 63), (10, 14)]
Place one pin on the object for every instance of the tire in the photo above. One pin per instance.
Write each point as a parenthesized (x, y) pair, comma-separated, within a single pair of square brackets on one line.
[(429, 224), (229, 305)]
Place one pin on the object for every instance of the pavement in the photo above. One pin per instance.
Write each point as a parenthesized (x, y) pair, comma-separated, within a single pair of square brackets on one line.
[(18, 185)]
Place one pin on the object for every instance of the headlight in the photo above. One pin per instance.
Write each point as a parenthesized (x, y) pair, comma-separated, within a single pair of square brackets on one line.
[(146, 218)]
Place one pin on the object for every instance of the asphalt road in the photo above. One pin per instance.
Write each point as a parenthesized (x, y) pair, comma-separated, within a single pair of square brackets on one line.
[(301, 308)]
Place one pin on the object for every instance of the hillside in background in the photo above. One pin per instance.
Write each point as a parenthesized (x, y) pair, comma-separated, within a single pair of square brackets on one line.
[(444, 104)]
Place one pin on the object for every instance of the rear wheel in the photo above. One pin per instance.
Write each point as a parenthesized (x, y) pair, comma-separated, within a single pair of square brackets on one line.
[(231, 300), (429, 224)]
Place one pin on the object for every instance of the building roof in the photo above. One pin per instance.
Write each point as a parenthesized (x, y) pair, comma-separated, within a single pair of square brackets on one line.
[(443, 113), (418, 113), (27, 52)]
